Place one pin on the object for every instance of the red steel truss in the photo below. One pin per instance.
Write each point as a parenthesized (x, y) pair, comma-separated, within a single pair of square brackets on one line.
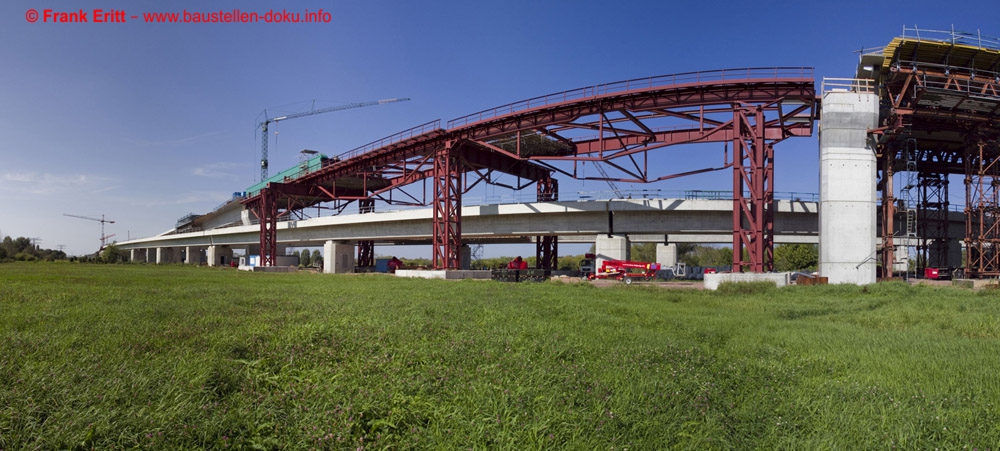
[(617, 124)]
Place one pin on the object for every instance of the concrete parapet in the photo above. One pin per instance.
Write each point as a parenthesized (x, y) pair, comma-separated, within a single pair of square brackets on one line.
[(450, 274), (712, 281), (975, 284)]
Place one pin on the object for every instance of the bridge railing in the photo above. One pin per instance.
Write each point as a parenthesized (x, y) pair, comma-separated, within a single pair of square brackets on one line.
[(637, 83), (391, 139), (526, 197)]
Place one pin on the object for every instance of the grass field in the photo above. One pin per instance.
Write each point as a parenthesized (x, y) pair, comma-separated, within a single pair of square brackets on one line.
[(172, 357)]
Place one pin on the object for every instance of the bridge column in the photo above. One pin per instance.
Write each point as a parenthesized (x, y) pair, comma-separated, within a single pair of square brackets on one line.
[(167, 255), (465, 257), (847, 238), (219, 255), (666, 255), (610, 248), (192, 255), (338, 258), (137, 256)]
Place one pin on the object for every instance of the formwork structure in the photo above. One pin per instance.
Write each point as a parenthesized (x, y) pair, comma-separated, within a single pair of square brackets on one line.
[(617, 125), (940, 102)]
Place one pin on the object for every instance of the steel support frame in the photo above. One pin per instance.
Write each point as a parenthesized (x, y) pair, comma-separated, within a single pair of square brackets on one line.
[(447, 231), (547, 246), (888, 251), (932, 221), (366, 248), (982, 212), (753, 192), (267, 214)]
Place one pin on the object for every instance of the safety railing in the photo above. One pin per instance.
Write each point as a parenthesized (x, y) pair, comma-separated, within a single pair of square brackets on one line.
[(863, 85), (955, 37), (391, 139), (638, 83)]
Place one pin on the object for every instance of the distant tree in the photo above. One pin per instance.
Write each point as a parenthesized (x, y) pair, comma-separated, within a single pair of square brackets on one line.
[(304, 257), (111, 254), (317, 258), (22, 244), (792, 257), (701, 255), (643, 252), (3, 254)]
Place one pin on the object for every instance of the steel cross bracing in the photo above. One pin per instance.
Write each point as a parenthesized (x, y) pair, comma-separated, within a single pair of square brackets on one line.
[(617, 124)]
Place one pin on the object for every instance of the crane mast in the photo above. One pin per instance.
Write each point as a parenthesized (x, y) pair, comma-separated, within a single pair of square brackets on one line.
[(269, 120), (104, 237)]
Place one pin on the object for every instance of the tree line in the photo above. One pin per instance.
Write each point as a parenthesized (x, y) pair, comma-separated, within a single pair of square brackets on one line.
[(21, 249)]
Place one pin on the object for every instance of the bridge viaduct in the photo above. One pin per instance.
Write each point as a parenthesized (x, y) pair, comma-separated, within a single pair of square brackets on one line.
[(924, 106)]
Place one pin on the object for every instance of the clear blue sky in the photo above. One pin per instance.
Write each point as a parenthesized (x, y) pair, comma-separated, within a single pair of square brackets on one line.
[(146, 122)]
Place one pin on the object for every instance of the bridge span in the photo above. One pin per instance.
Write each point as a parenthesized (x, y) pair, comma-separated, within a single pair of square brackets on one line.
[(606, 223)]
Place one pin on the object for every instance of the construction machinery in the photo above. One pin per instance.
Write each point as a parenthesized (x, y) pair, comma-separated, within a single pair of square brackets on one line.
[(625, 271), (104, 238), (270, 120)]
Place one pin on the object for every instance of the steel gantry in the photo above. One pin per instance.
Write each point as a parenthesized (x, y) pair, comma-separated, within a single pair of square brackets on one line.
[(618, 125), (940, 107)]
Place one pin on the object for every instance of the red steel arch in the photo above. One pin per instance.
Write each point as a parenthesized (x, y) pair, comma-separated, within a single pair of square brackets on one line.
[(617, 125)]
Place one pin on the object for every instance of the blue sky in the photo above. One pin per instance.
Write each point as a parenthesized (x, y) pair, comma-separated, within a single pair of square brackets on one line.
[(145, 122)]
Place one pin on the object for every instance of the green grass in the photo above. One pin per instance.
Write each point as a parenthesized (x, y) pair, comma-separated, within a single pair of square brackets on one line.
[(173, 357)]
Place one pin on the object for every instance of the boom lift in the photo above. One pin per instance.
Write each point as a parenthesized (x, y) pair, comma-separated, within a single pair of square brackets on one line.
[(269, 120), (625, 270)]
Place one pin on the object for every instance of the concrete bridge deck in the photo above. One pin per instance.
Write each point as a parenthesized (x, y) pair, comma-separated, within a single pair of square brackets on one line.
[(642, 220)]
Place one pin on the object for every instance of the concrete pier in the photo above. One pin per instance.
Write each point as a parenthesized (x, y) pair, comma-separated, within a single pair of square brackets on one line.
[(847, 230)]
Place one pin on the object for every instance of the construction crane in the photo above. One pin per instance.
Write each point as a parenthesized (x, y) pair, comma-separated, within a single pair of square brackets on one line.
[(269, 120), (104, 237)]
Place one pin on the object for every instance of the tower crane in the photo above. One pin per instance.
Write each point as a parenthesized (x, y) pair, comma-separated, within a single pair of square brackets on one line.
[(104, 237), (269, 120)]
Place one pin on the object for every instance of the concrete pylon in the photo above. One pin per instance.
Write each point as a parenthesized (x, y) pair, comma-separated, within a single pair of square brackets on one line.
[(610, 248), (666, 255), (847, 191), (338, 257)]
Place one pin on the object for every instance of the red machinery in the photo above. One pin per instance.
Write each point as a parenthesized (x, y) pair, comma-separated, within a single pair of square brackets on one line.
[(625, 271)]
